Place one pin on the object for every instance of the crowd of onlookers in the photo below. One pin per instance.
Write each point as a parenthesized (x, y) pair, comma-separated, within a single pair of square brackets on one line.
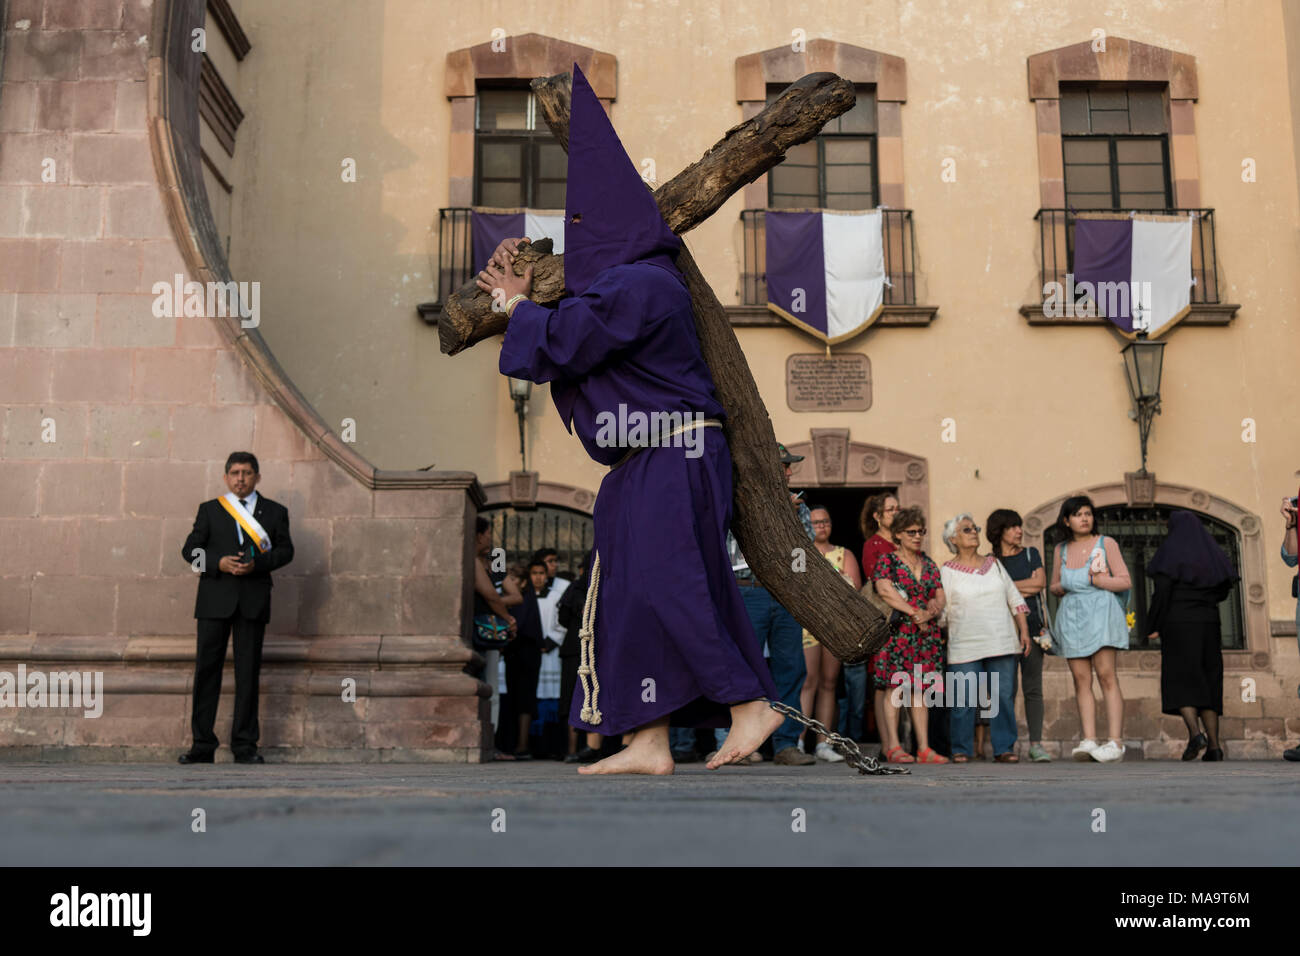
[(965, 637)]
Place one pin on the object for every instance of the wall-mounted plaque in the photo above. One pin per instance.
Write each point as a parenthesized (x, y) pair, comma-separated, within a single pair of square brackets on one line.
[(821, 383)]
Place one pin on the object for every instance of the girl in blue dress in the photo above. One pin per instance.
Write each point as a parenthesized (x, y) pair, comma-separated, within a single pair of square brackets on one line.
[(1091, 624)]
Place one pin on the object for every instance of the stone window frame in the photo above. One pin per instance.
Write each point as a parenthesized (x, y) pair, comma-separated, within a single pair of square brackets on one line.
[(782, 65), (1255, 655), (525, 57), (1122, 61)]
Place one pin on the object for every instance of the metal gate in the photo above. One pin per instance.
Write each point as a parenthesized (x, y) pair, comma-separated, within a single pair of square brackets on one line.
[(1139, 532), (522, 533)]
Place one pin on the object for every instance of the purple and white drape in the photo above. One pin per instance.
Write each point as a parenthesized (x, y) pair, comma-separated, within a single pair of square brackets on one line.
[(1139, 269), (487, 229), (826, 270)]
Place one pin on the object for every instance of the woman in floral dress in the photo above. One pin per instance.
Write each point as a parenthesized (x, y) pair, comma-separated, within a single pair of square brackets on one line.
[(909, 582)]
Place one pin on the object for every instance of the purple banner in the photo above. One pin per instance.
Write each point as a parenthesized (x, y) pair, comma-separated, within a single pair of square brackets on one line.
[(795, 262), (1103, 252), (487, 229)]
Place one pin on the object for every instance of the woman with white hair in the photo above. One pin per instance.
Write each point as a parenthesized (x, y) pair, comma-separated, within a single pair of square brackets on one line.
[(987, 633)]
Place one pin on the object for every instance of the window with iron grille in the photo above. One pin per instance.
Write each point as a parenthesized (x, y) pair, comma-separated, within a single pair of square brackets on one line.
[(517, 162), (522, 533), (1139, 532), (1116, 148), (837, 169)]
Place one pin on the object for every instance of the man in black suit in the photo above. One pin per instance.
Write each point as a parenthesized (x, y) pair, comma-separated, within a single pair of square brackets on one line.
[(237, 541)]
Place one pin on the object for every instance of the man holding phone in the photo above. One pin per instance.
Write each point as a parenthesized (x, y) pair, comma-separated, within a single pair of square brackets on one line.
[(237, 541)]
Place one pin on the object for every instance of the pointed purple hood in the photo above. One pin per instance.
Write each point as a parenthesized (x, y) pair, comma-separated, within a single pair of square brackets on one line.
[(611, 218)]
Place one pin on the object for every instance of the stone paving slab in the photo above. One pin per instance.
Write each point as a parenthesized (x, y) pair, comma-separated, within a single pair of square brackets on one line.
[(1156, 813)]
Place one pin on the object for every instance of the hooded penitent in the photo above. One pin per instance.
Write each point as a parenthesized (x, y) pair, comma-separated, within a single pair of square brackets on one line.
[(610, 215), (623, 342)]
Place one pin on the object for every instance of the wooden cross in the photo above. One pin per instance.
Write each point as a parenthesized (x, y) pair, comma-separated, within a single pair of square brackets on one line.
[(766, 527)]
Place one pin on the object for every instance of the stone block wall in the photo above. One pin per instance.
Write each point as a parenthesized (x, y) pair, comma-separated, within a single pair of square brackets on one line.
[(116, 424)]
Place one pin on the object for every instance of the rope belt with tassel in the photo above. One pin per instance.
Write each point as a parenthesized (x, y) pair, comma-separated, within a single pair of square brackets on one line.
[(590, 712)]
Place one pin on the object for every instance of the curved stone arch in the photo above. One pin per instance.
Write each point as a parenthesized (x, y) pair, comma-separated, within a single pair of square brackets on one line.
[(173, 98), (1253, 564), (496, 494), (523, 57)]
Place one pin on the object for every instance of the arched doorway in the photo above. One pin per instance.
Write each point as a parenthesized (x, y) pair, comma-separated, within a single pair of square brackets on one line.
[(558, 517), (840, 475), (1138, 525)]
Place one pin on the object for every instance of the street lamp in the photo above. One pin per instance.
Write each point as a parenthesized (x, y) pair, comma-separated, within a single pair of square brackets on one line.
[(1143, 360), (521, 391)]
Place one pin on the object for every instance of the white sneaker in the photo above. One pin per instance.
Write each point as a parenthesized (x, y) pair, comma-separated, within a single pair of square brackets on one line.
[(1108, 752), (801, 750), (1085, 750), (826, 752)]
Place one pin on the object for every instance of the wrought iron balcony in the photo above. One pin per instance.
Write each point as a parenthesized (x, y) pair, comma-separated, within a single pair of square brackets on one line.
[(455, 251), (455, 266), (1056, 247), (900, 257)]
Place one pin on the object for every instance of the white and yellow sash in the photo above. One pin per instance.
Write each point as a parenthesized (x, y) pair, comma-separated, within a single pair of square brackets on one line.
[(230, 501)]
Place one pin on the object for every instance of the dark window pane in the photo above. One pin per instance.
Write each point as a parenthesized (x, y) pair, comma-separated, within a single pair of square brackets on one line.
[(1108, 99), (509, 195), (502, 160), (805, 154), (1140, 150), (1146, 109), (793, 201), (795, 179), (842, 179), (503, 109), (847, 150), (855, 201), (1142, 179), (1086, 150), (1088, 201), (1074, 111), (553, 160), (862, 117), (1088, 179), (1142, 200), (550, 196), (1110, 121)]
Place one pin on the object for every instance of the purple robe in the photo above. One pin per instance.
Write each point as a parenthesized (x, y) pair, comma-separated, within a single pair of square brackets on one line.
[(668, 608)]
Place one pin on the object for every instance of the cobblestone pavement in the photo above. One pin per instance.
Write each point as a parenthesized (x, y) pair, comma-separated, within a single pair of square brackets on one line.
[(1156, 812)]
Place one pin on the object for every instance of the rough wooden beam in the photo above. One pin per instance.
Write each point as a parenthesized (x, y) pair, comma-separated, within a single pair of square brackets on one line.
[(747, 151), (765, 525)]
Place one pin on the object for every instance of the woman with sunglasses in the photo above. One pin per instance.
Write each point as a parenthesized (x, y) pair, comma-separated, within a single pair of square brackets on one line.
[(908, 581), (987, 634)]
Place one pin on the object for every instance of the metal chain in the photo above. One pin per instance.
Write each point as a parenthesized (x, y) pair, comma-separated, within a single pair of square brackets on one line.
[(846, 748)]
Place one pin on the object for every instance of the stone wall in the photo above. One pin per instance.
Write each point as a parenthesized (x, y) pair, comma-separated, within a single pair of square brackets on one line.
[(116, 424)]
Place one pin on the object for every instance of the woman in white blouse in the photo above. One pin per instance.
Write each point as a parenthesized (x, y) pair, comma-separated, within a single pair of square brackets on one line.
[(987, 633)]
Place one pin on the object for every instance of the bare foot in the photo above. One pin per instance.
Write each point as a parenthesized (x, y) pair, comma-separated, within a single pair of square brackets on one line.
[(751, 724), (635, 759)]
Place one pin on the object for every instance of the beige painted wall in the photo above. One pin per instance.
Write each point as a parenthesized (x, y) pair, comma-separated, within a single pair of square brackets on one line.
[(1039, 411)]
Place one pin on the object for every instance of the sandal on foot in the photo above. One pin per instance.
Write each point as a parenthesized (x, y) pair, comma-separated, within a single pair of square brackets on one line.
[(929, 756), (898, 755), (960, 758), (1007, 757)]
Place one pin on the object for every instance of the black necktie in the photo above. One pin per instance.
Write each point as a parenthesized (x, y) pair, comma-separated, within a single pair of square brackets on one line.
[(243, 503)]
